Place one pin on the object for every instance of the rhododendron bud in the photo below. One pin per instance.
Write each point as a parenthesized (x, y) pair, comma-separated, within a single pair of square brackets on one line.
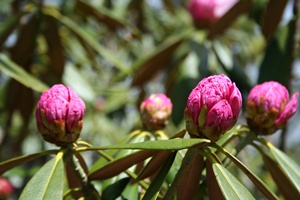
[(206, 12), (212, 107), (5, 189), (155, 111), (269, 108), (59, 115)]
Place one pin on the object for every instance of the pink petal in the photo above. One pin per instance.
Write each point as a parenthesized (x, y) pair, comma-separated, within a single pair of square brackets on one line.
[(288, 111)]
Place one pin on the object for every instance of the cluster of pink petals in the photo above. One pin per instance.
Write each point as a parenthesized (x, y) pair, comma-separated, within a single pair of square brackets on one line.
[(5, 188), (206, 12), (213, 106), (155, 111), (59, 115), (269, 108)]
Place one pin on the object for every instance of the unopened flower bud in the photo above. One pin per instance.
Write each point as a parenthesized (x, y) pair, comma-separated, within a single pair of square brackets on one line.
[(206, 12), (212, 107), (155, 111), (59, 115), (5, 189), (269, 108)]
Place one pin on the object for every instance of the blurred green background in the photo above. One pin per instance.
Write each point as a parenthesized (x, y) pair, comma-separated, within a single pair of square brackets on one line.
[(115, 53)]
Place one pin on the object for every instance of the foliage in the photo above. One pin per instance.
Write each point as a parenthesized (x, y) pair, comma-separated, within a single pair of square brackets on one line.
[(114, 54)]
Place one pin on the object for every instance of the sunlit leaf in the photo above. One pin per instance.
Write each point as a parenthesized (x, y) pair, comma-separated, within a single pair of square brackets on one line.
[(290, 168), (285, 186), (172, 144), (14, 162), (47, 183), (214, 191), (231, 188), (19, 74), (255, 179)]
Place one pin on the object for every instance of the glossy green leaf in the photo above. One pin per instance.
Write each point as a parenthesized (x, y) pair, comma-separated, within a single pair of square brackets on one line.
[(14, 162), (113, 191), (289, 166), (47, 183), (255, 179), (231, 188), (172, 144), (214, 191), (156, 184), (19, 74)]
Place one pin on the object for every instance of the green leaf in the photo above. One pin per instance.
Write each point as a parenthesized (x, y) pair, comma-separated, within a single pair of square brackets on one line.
[(231, 188), (47, 183), (14, 162), (113, 191), (172, 144), (87, 38), (255, 179), (290, 167), (156, 184), (19, 74), (284, 185)]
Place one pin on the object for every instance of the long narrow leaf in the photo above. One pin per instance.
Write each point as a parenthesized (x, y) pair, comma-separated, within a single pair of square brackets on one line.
[(231, 188), (116, 167), (47, 183), (172, 144), (290, 168), (156, 184), (88, 39), (19, 74), (14, 162), (255, 179)]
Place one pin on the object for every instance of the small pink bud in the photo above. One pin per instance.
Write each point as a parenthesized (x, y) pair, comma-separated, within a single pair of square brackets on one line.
[(59, 115), (155, 111), (206, 12), (5, 189), (269, 108), (212, 107)]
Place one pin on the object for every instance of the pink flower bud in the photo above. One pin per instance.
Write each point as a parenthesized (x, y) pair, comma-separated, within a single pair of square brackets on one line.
[(59, 115), (212, 107), (206, 12), (5, 189), (269, 108), (155, 111)]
